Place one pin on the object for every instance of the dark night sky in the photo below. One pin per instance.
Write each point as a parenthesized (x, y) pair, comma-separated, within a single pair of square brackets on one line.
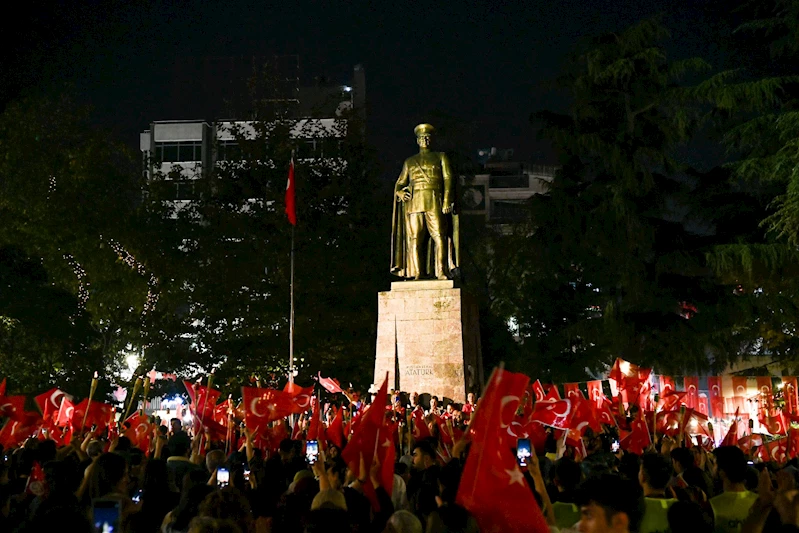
[(483, 64)]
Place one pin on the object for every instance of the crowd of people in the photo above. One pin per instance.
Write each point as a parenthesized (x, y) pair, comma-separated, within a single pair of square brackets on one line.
[(184, 483)]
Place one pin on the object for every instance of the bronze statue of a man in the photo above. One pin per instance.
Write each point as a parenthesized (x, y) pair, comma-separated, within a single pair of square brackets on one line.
[(424, 228)]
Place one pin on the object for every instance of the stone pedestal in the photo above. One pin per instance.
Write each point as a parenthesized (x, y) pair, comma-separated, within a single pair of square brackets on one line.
[(428, 339)]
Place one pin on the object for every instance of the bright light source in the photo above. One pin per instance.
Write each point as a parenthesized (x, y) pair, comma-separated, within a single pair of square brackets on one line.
[(132, 361), (346, 88), (625, 368)]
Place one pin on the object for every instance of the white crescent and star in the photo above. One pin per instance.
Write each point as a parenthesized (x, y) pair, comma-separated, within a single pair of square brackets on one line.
[(506, 400)]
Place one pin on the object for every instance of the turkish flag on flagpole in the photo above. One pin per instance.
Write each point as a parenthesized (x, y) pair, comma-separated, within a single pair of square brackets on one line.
[(291, 211)]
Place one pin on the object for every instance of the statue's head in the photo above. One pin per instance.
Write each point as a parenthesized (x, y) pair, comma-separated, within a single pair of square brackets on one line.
[(423, 133)]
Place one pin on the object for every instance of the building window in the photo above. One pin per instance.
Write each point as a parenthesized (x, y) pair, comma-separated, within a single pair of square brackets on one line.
[(228, 151), (179, 152), (308, 148), (185, 190)]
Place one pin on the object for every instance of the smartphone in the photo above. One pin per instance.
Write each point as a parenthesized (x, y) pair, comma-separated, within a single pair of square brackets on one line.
[(137, 497), (247, 475), (523, 451), (311, 451), (750, 462), (614, 446), (105, 516), (222, 477)]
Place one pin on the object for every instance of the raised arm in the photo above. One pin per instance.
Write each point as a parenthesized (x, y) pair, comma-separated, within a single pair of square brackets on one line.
[(446, 172)]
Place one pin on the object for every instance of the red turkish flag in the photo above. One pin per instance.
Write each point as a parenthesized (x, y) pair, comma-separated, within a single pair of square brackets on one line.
[(639, 438), (793, 443), (789, 392), (666, 385), (64, 416), (15, 432), (99, 414), (692, 391), (291, 211), (604, 412), (776, 425), (672, 400), (626, 376), (716, 396), (316, 430), (595, 393), (330, 384), (492, 487), (740, 394), (420, 429), (365, 440), (572, 391), (554, 413), (777, 450), (301, 399), (3, 387), (49, 402), (12, 406), (748, 442), (766, 398), (584, 416), (335, 431), (645, 401), (140, 431), (538, 390), (387, 454), (262, 406), (671, 423)]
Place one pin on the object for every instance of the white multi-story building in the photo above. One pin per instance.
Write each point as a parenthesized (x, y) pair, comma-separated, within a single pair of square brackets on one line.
[(183, 151), (500, 190)]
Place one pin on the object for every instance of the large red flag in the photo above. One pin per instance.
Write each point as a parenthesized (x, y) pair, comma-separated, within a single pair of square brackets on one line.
[(740, 394), (15, 432), (692, 391), (672, 400), (291, 212), (492, 487), (789, 392), (716, 396), (301, 399)]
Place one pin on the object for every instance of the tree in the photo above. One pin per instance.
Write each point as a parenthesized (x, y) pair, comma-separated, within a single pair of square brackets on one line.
[(225, 265), (67, 201), (613, 260)]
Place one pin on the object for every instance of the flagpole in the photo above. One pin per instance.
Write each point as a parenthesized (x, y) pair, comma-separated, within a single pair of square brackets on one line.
[(291, 311), (291, 314)]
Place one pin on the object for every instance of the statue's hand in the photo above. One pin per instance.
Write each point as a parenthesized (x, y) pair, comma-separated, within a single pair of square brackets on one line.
[(404, 195), (447, 209)]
